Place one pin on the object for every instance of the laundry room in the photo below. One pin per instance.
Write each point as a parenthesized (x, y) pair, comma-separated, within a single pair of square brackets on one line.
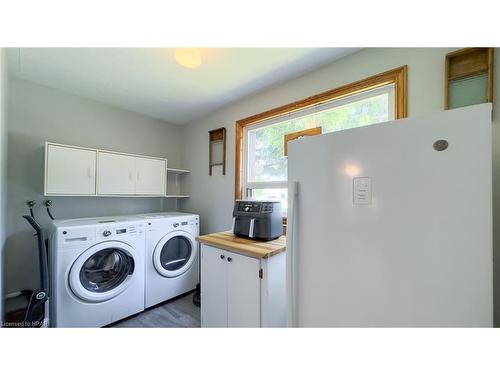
[(158, 213), (49, 127), (164, 187)]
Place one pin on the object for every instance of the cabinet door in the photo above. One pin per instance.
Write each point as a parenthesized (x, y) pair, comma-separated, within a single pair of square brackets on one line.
[(69, 170), (116, 174), (243, 291), (150, 176), (213, 287)]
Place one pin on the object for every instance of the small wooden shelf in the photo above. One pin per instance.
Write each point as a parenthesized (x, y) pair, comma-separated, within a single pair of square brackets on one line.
[(217, 149), (177, 170)]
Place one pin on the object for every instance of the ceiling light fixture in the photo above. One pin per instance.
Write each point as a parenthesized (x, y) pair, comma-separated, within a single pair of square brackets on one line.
[(188, 57)]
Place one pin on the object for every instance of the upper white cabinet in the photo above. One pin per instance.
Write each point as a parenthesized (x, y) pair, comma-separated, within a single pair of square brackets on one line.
[(73, 170), (69, 170), (150, 176), (116, 174), (120, 174)]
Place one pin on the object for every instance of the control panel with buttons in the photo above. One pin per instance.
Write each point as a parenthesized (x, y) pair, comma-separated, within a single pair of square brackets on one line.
[(117, 231)]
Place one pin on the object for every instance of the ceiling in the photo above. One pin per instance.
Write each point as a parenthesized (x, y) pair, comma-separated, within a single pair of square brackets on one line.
[(149, 80)]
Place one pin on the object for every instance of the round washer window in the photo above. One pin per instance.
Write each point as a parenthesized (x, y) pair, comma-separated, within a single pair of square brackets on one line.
[(176, 252), (105, 270)]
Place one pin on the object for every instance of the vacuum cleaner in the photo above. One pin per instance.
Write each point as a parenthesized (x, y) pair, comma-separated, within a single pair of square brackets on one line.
[(36, 312), (38, 300)]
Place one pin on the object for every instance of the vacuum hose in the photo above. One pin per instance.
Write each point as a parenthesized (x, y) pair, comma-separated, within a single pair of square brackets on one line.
[(30, 205), (48, 211), (47, 204)]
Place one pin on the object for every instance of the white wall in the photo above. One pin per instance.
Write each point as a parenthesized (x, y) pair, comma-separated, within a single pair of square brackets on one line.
[(212, 197), (3, 167), (38, 114)]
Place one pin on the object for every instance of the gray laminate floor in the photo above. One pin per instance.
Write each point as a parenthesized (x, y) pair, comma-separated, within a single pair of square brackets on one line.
[(177, 313)]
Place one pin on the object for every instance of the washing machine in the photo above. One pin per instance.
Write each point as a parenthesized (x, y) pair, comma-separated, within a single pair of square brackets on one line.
[(171, 255), (97, 270)]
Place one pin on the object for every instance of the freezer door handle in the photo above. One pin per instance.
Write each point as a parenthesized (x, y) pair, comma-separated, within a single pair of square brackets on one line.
[(291, 256)]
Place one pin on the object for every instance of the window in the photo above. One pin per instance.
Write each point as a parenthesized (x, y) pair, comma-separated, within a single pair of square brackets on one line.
[(261, 167)]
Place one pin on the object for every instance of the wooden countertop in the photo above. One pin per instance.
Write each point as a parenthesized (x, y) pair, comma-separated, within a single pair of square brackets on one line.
[(246, 246)]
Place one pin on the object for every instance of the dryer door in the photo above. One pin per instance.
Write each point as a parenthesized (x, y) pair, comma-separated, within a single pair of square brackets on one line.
[(175, 253), (103, 271)]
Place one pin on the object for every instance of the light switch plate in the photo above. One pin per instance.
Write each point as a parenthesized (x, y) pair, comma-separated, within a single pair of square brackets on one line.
[(362, 190)]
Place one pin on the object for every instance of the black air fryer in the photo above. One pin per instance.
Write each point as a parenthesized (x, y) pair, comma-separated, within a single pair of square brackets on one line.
[(257, 219)]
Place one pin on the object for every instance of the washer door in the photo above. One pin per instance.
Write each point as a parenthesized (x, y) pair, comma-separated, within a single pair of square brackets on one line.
[(102, 272), (175, 253)]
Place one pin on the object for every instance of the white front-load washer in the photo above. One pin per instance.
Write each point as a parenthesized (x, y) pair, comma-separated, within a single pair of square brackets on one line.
[(96, 270), (171, 255)]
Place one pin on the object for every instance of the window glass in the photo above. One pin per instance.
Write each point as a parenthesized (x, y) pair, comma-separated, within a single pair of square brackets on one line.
[(265, 160), (272, 195), (353, 115), (265, 156)]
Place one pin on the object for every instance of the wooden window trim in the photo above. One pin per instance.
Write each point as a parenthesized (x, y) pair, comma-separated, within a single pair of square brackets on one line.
[(397, 76), (302, 133)]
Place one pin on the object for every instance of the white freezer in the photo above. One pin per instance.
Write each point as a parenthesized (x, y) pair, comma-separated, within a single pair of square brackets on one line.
[(408, 246)]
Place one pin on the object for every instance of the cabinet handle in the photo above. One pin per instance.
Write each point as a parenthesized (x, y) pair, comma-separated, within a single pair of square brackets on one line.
[(138, 176), (229, 259), (222, 256), (130, 176), (89, 172)]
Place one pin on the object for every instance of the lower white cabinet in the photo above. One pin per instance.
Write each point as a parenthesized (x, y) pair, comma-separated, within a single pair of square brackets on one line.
[(242, 291), (213, 287)]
